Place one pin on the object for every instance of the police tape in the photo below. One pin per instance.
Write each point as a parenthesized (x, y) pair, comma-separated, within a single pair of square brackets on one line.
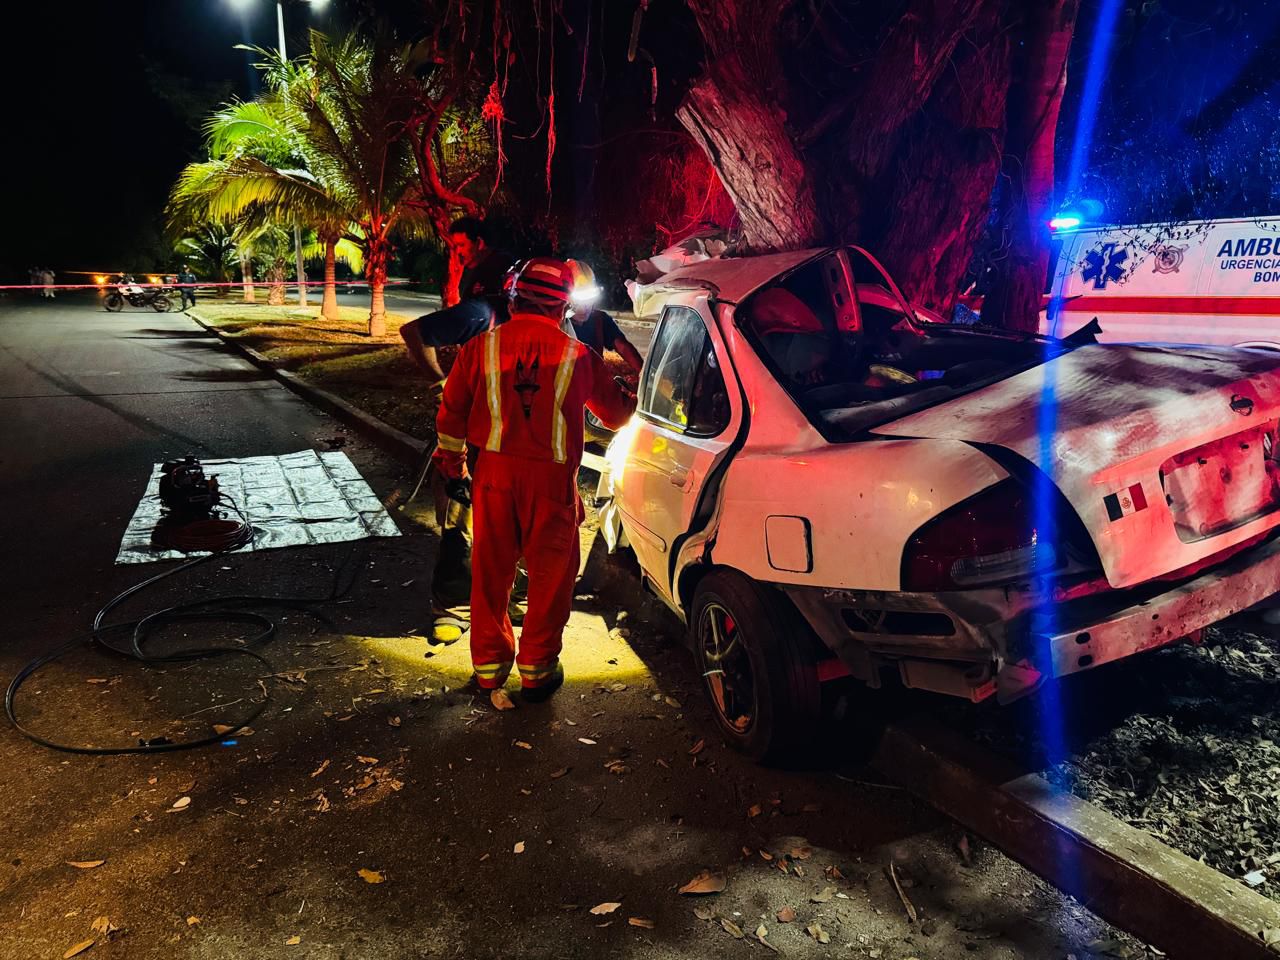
[(116, 285)]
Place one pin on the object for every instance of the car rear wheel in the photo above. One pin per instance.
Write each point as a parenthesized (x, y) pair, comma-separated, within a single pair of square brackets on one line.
[(759, 667)]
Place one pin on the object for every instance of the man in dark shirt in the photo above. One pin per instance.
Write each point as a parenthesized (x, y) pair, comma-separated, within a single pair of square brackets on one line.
[(482, 299), (187, 289), (597, 330)]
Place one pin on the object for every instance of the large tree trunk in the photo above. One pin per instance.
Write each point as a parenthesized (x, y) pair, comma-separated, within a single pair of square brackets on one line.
[(899, 153), (1016, 290), (246, 273), (734, 112), (329, 307)]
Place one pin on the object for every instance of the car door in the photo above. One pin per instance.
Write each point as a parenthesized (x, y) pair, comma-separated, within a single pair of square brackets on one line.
[(683, 428)]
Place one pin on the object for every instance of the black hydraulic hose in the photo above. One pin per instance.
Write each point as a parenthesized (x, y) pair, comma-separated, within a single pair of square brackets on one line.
[(210, 609)]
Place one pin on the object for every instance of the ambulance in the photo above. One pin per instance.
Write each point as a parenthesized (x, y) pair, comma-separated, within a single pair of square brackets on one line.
[(1204, 282)]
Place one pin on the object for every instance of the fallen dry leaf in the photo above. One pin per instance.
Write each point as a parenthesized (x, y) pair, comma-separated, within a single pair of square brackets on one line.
[(557, 774), (192, 921), (815, 930), (224, 728), (671, 702), (761, 932), (501, 700), (320, 769), (370, 876), (641, 922), (368, 760), (181, 803), (393, 721), (104, 926), (522, 744), (732, 928), (600, 909), (587, 740), (833, 873), (293, 941), (707, 881), (97, 680), (786, 915), (697, 748), (826, 896), (80, 947), (704, 913), (765, 855), (85, 864), (754, 810), (518, 848)]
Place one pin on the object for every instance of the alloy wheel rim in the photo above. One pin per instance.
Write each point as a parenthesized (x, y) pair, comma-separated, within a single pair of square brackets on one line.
[(726, 668)]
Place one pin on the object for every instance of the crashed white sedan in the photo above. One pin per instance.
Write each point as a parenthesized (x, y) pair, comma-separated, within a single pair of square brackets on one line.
[(824, 482)]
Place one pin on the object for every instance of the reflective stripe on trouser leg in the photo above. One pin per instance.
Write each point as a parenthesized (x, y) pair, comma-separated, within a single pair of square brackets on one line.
[(535, 675), (490, 676), (494, 552)]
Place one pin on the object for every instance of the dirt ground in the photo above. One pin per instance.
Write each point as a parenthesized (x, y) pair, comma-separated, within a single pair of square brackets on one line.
[(378, 809), (1183, 743)]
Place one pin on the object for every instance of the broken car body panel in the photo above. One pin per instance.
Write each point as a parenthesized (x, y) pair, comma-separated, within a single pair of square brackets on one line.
[(822, 484)]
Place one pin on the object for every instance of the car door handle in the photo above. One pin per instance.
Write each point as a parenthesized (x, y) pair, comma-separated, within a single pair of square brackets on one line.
[(678, 478)]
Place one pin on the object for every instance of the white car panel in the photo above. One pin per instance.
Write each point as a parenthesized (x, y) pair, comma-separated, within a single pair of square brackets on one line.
[(1118, 413), (863, 502)]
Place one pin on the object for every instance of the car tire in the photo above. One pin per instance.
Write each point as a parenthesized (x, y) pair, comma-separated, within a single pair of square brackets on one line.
[(114, 303), (781, 697)]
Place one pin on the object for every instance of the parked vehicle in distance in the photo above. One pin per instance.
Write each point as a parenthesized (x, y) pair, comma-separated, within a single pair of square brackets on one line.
[(824, 482), (127, 290), (1203, 281)]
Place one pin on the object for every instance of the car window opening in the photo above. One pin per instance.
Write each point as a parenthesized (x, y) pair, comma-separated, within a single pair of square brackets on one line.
[(838, 341)]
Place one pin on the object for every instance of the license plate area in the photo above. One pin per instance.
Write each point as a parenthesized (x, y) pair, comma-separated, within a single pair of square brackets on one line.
[(1223, 484)]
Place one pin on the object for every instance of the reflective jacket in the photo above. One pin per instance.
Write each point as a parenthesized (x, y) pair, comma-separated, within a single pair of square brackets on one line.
[(520, 389)]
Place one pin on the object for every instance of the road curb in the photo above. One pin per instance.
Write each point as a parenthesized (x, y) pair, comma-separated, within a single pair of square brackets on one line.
[(408, 450)]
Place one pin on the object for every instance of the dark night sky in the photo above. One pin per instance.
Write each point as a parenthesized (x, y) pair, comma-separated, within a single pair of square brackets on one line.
[(93, 138), (105, 97)]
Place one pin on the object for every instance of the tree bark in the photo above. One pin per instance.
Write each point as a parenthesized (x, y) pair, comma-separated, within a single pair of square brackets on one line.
[(734, 112), (935, 199), (1016, 290), (376, 274), (275, 294), (246, 273), (329, 306)]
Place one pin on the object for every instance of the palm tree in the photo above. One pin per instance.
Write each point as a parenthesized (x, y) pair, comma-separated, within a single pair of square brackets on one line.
[(357, 98), (327, 146)]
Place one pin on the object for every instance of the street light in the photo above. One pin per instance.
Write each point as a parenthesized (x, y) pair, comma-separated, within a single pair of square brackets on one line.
[(297, 230)]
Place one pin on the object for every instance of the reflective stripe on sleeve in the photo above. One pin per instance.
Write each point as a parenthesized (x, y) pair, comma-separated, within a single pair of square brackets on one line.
[(564, 375), (452, 444), (493, 384)]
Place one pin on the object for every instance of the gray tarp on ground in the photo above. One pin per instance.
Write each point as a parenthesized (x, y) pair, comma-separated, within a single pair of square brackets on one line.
[(292, 500)]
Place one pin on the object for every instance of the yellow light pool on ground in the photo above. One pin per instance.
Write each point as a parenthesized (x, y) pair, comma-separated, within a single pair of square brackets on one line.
[(591, 655)]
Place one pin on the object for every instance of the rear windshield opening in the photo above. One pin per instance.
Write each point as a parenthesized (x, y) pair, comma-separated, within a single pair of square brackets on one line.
[(841, 346)]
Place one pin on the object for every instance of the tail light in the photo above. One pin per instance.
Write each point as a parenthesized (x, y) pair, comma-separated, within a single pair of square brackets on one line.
[(988, 539)]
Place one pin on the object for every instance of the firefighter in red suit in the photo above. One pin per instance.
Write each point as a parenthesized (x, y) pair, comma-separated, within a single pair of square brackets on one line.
[(516, 395)]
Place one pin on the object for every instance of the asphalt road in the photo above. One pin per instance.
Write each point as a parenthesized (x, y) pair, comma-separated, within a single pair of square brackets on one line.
[(480, 834)]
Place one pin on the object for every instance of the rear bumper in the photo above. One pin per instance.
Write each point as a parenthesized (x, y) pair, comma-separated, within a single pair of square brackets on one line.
[(1079, 636), (1007, 641)]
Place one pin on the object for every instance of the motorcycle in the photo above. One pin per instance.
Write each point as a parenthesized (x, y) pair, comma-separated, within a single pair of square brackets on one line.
[(130, 291)]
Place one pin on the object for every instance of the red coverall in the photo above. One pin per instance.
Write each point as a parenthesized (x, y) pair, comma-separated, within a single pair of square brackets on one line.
[(517, 394)]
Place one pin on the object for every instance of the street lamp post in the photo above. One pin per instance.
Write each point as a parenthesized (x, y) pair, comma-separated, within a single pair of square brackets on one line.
[(297, 229)]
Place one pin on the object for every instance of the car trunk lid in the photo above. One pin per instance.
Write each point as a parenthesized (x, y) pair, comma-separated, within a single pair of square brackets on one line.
[(1168, 455)]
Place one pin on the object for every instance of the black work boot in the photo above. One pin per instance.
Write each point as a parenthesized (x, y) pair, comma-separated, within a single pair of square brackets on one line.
[(543, 691)]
